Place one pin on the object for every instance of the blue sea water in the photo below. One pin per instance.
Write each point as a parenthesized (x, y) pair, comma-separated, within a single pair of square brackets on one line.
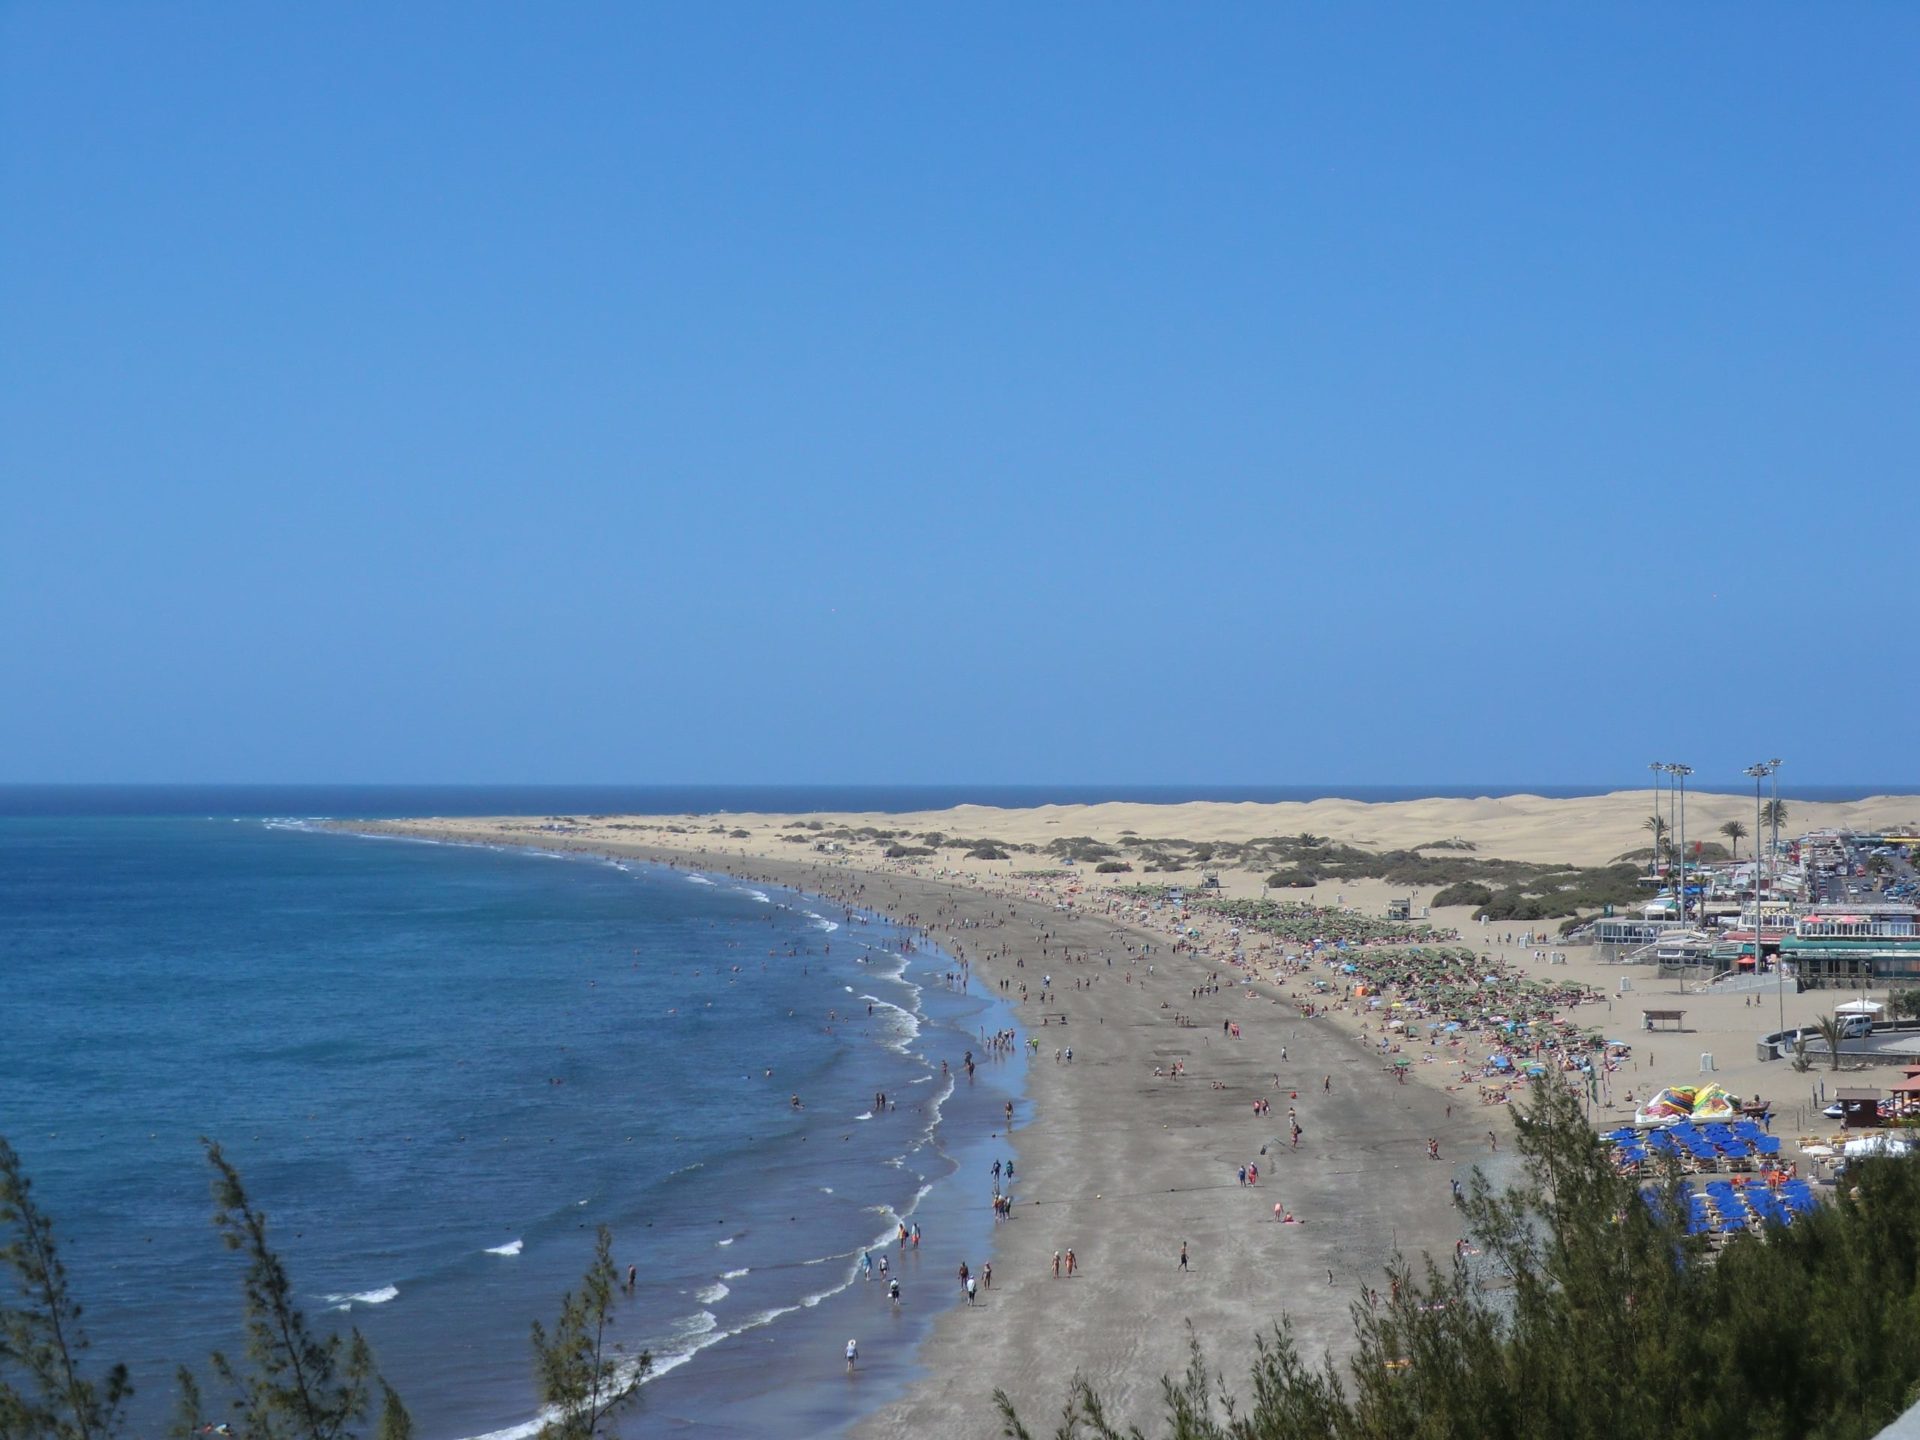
[(440, 1068)]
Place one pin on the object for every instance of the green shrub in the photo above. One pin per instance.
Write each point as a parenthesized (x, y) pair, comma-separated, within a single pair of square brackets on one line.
[(1292, 880), (1079, 847), (1113, 867), (1464, 892)]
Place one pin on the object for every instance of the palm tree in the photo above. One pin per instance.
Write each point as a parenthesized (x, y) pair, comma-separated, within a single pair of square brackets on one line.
[(1736, 832), (1828, 1027), (1774, 814), (1659, 828)]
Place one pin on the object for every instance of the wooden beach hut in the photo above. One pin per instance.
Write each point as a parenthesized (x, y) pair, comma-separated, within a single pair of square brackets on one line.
[(1859, 1109)]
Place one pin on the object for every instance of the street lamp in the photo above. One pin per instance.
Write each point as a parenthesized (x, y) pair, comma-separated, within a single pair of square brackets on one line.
[(1680, 773), (1759, 772), (1668, 768), (1773, 846), (1658, 769)]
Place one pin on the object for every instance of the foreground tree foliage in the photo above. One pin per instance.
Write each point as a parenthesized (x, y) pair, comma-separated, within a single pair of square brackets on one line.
[(45, 1391), (586, 1379), (289, 1384), (1590, 1314)]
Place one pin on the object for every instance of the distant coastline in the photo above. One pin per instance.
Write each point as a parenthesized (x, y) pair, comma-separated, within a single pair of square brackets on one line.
[(398, 801)]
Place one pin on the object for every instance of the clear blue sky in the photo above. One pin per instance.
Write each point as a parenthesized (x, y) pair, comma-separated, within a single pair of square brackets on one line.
[(1284, 394)]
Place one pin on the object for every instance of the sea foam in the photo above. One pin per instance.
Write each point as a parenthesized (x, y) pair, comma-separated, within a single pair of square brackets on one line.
[(365, 1297)]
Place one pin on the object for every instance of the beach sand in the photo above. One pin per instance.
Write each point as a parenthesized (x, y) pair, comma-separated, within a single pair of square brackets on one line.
[(1123, 1167)]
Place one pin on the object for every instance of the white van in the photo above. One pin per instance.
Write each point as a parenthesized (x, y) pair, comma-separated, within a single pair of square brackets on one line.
[(1855, 1027)]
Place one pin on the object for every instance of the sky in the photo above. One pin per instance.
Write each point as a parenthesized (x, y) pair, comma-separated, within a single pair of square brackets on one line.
[(1268, 394)]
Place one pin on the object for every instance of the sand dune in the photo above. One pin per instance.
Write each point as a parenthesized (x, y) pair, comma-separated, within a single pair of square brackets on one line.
[(1589, 830)]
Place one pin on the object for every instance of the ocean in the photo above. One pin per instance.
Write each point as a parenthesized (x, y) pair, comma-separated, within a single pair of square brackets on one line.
[(439, 1069)]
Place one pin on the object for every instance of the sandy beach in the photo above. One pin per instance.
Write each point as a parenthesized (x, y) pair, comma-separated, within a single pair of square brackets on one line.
[(1124, 1165)]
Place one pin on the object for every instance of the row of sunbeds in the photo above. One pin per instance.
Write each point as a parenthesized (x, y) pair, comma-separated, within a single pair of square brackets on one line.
[(1701, 1148)]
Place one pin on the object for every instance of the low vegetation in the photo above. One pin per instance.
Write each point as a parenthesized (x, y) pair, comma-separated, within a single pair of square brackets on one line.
[(1496, 889), (1550, 894), (1079, 848), (1292, 880)]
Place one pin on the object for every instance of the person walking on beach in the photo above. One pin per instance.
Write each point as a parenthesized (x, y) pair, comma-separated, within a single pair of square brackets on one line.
[(1056, 1264), (1070, 1263), (866, 1265), (1493, 1141), (970, 1290), (986, 1275), (853, 1354), (1183, 1255)]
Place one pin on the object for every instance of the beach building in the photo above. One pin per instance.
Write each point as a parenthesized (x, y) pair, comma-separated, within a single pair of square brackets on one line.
[(1684, 948), (1735, 949), (1857, 946)]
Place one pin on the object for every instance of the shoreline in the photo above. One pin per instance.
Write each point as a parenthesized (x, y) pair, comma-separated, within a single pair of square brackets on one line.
[(1098, 1177), (952, 1135)]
